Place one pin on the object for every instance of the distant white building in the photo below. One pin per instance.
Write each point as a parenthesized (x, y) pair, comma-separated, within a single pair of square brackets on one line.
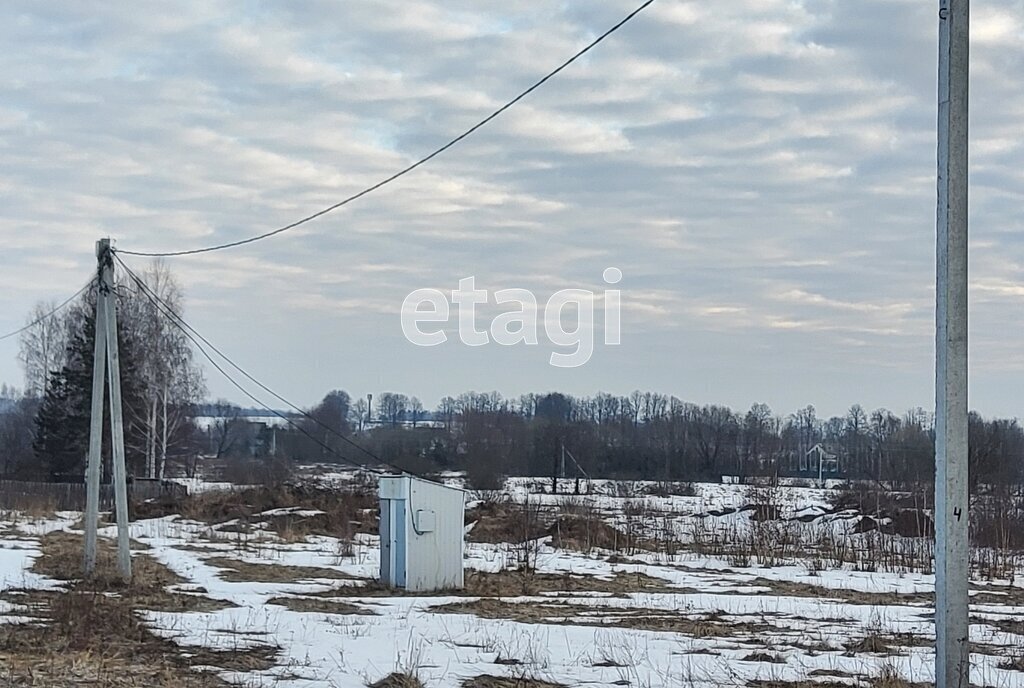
[(422, 534), (820, 461)]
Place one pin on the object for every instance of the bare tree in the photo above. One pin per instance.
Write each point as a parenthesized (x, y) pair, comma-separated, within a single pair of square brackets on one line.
[(393, 407), (173, 384), (416, 411), (358, 413), (42, 347)]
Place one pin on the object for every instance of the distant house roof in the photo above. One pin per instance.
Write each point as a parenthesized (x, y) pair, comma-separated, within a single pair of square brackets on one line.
[(825, 453)]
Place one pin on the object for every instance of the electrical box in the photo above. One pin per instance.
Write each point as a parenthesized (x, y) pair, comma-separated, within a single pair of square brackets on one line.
[(425, 519), (422, 534)]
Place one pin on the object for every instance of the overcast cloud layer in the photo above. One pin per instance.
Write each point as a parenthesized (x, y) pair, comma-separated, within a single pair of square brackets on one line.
[(763, 173)]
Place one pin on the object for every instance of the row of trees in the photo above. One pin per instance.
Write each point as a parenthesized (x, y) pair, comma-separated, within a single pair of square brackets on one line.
[(45, 431), (642, 435)]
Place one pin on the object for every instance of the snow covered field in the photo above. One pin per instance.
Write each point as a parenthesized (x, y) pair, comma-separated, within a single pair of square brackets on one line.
[(658, 611)]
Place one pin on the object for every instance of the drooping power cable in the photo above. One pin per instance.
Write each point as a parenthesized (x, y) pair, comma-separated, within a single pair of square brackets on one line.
[(407, 169)]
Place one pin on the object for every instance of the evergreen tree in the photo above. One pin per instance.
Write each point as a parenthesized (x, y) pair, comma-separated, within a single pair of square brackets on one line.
[(61, 442)]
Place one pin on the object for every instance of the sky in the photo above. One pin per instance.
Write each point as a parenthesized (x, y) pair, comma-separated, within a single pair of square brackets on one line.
[(761, 173)]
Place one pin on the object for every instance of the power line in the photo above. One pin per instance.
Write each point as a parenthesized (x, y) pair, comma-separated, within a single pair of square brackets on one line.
[(409, 168), (52, 313), (159, 304), (195, 337)]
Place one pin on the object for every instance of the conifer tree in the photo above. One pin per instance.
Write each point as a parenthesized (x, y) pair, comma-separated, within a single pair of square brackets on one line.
[(62, 425)]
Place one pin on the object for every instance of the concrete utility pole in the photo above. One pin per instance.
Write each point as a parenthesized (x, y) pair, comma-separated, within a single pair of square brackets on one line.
[(106, 343), (92, 474), (952, 651)]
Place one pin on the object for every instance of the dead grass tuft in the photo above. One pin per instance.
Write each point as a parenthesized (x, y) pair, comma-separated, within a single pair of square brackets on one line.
[(499, 521), (320, 605), (765, 657), (873, 644), (507, 583), (513, 583), (398, 680), (796, 589), (889, 677), (568, 614), (584, 533), (487, 681), (238, 571)]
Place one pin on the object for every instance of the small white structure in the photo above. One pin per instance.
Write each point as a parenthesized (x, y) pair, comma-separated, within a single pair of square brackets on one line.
[(422, 534)]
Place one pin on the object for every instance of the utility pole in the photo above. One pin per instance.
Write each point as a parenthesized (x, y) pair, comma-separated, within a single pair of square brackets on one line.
[(106, 360), (92, 474), (952, 651)]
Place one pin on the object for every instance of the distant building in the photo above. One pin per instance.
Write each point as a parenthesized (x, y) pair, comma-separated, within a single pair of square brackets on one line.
[(818, 460)]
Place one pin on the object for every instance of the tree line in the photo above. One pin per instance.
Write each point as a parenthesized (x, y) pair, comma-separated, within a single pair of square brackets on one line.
[(169, 426), (643, 435)]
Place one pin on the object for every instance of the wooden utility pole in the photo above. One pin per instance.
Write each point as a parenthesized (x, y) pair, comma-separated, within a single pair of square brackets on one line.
[(106, 360), (952, 652)]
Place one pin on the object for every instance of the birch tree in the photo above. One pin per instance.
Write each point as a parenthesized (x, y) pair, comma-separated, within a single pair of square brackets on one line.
[(42, 347), (172, 382)]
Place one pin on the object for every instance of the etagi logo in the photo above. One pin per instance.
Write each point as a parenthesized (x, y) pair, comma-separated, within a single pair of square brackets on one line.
[(518, 323)]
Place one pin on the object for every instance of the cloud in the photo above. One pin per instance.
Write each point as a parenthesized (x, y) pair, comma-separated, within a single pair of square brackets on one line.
[(761, 172)]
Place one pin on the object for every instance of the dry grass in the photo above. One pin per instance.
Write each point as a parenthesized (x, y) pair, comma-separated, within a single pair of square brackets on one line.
[(88, 638), (767, 683), (487, 681), (566, 614), (61, 558), (584, 532), (871, 644), (512, 583), (320, 605), (764, 657), (397, 680), (889, 677), (90, 634), (795, 589), (1014, 662), (238, 571), (345, 512), (19, 507), (507, 583), (502, 521)]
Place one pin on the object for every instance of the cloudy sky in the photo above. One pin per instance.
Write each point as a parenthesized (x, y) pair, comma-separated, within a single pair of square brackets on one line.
[(763, 174)]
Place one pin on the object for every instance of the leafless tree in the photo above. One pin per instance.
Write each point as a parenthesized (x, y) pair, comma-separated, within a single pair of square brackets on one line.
[(43, 347), (393, 407), (173, 383), (415, 410), (358, 414)]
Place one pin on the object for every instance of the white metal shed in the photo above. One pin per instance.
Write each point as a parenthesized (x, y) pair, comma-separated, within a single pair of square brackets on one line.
[(422, 534)]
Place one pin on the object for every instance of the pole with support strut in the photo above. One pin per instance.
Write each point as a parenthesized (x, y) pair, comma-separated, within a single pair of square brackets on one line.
[(92, 473), (106, 364), (952, 651)]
